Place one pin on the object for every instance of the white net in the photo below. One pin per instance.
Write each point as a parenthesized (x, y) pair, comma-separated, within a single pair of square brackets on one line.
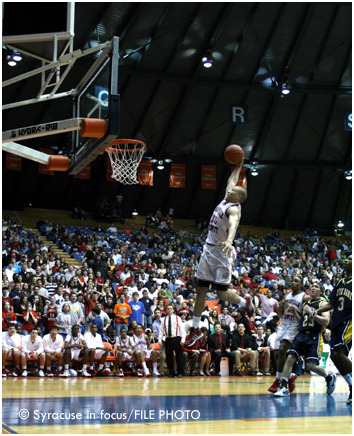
[(125, 156)]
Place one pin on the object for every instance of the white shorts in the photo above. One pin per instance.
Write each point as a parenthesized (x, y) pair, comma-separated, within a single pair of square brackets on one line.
[(126, 357), (215, 266), (147, 353), (75, 354), (99, 354), (287, 332)]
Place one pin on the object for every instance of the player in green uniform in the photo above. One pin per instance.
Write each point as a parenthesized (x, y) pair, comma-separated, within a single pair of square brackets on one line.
[(309, 341), (340, 301)]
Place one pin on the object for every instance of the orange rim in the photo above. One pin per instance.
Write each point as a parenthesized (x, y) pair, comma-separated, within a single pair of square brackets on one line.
[(109, 149)]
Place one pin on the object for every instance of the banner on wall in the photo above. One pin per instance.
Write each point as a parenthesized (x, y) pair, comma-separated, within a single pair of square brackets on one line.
[(178, 176), (208, 176), (13, 162), (242, 180), (145, 173), (43, 169), (85, 173)]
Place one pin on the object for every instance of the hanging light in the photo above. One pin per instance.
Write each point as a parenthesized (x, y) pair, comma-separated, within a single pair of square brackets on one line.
[(11, 61), (17, 56), (160, 165), (285, 89), (348, 175), (135, 212), (340, 224), (254, 171), (207, 61)]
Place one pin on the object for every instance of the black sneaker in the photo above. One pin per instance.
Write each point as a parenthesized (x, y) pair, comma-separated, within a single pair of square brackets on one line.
[(238, 373), (349, 400), (100, 373), (331, 383)]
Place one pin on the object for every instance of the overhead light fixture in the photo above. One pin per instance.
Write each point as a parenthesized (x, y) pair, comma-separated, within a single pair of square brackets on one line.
[(17, 56), (254, 171), (207, 61), (340, 224), (348, 175), (160, 165), (285, 89), (135, 213), (11, 61)]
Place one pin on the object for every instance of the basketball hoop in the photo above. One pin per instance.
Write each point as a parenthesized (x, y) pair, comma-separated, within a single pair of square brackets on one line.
[(125, 156)]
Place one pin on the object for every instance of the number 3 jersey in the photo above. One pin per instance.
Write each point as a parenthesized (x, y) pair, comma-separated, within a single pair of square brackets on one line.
[(307, 323), (341, 296)]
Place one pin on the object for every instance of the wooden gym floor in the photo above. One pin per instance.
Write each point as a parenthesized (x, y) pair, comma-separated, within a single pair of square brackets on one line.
[(192, 405)]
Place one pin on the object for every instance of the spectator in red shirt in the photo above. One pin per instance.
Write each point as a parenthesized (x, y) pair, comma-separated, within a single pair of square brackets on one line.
[(50, 313), (183, 309), (245, 278), (7, 316), (91, 299), (130, 279), (99, 281), (29, 319), (269, 275), (6, 298)]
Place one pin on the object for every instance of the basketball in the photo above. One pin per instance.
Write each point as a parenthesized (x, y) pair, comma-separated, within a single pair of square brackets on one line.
[(234, 154)]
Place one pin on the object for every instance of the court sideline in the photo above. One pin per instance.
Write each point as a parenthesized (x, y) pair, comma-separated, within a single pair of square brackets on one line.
[(191, 405)]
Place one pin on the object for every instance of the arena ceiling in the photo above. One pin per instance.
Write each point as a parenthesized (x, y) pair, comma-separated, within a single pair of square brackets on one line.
[(181, 109)]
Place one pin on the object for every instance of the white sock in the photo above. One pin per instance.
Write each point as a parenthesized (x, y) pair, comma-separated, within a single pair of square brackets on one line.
[(144, 366), (196, 320), (66, 366), (25, 368), (278, 375), (100, 366), (154, 366), (242, 302), (84, 367), (348, 379), (60, 368)]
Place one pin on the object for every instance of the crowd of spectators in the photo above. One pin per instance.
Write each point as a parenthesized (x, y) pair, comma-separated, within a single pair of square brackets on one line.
[(144, 273)]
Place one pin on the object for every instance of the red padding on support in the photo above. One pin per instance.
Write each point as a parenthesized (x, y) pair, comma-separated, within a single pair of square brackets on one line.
[(58, 163), (93, 128)]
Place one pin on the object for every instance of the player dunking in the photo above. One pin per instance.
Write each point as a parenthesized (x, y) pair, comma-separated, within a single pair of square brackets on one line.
[(218, 258), (341, 324)]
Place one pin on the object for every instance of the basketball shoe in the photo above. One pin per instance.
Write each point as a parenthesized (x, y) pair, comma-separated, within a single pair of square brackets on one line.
[(331, 383), (275, 386), (349, 400), (291, 382), (194, 335), (283, 392)]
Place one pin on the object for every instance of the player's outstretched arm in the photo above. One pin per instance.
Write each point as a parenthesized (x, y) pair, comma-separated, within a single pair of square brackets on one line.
[(234, 217), (325, 308), (233, 179)]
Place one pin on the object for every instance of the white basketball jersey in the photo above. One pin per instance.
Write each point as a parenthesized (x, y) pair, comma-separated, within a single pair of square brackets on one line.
[(219, 223), (140, 343), (74, 341), (297, 300), (125, 345)]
